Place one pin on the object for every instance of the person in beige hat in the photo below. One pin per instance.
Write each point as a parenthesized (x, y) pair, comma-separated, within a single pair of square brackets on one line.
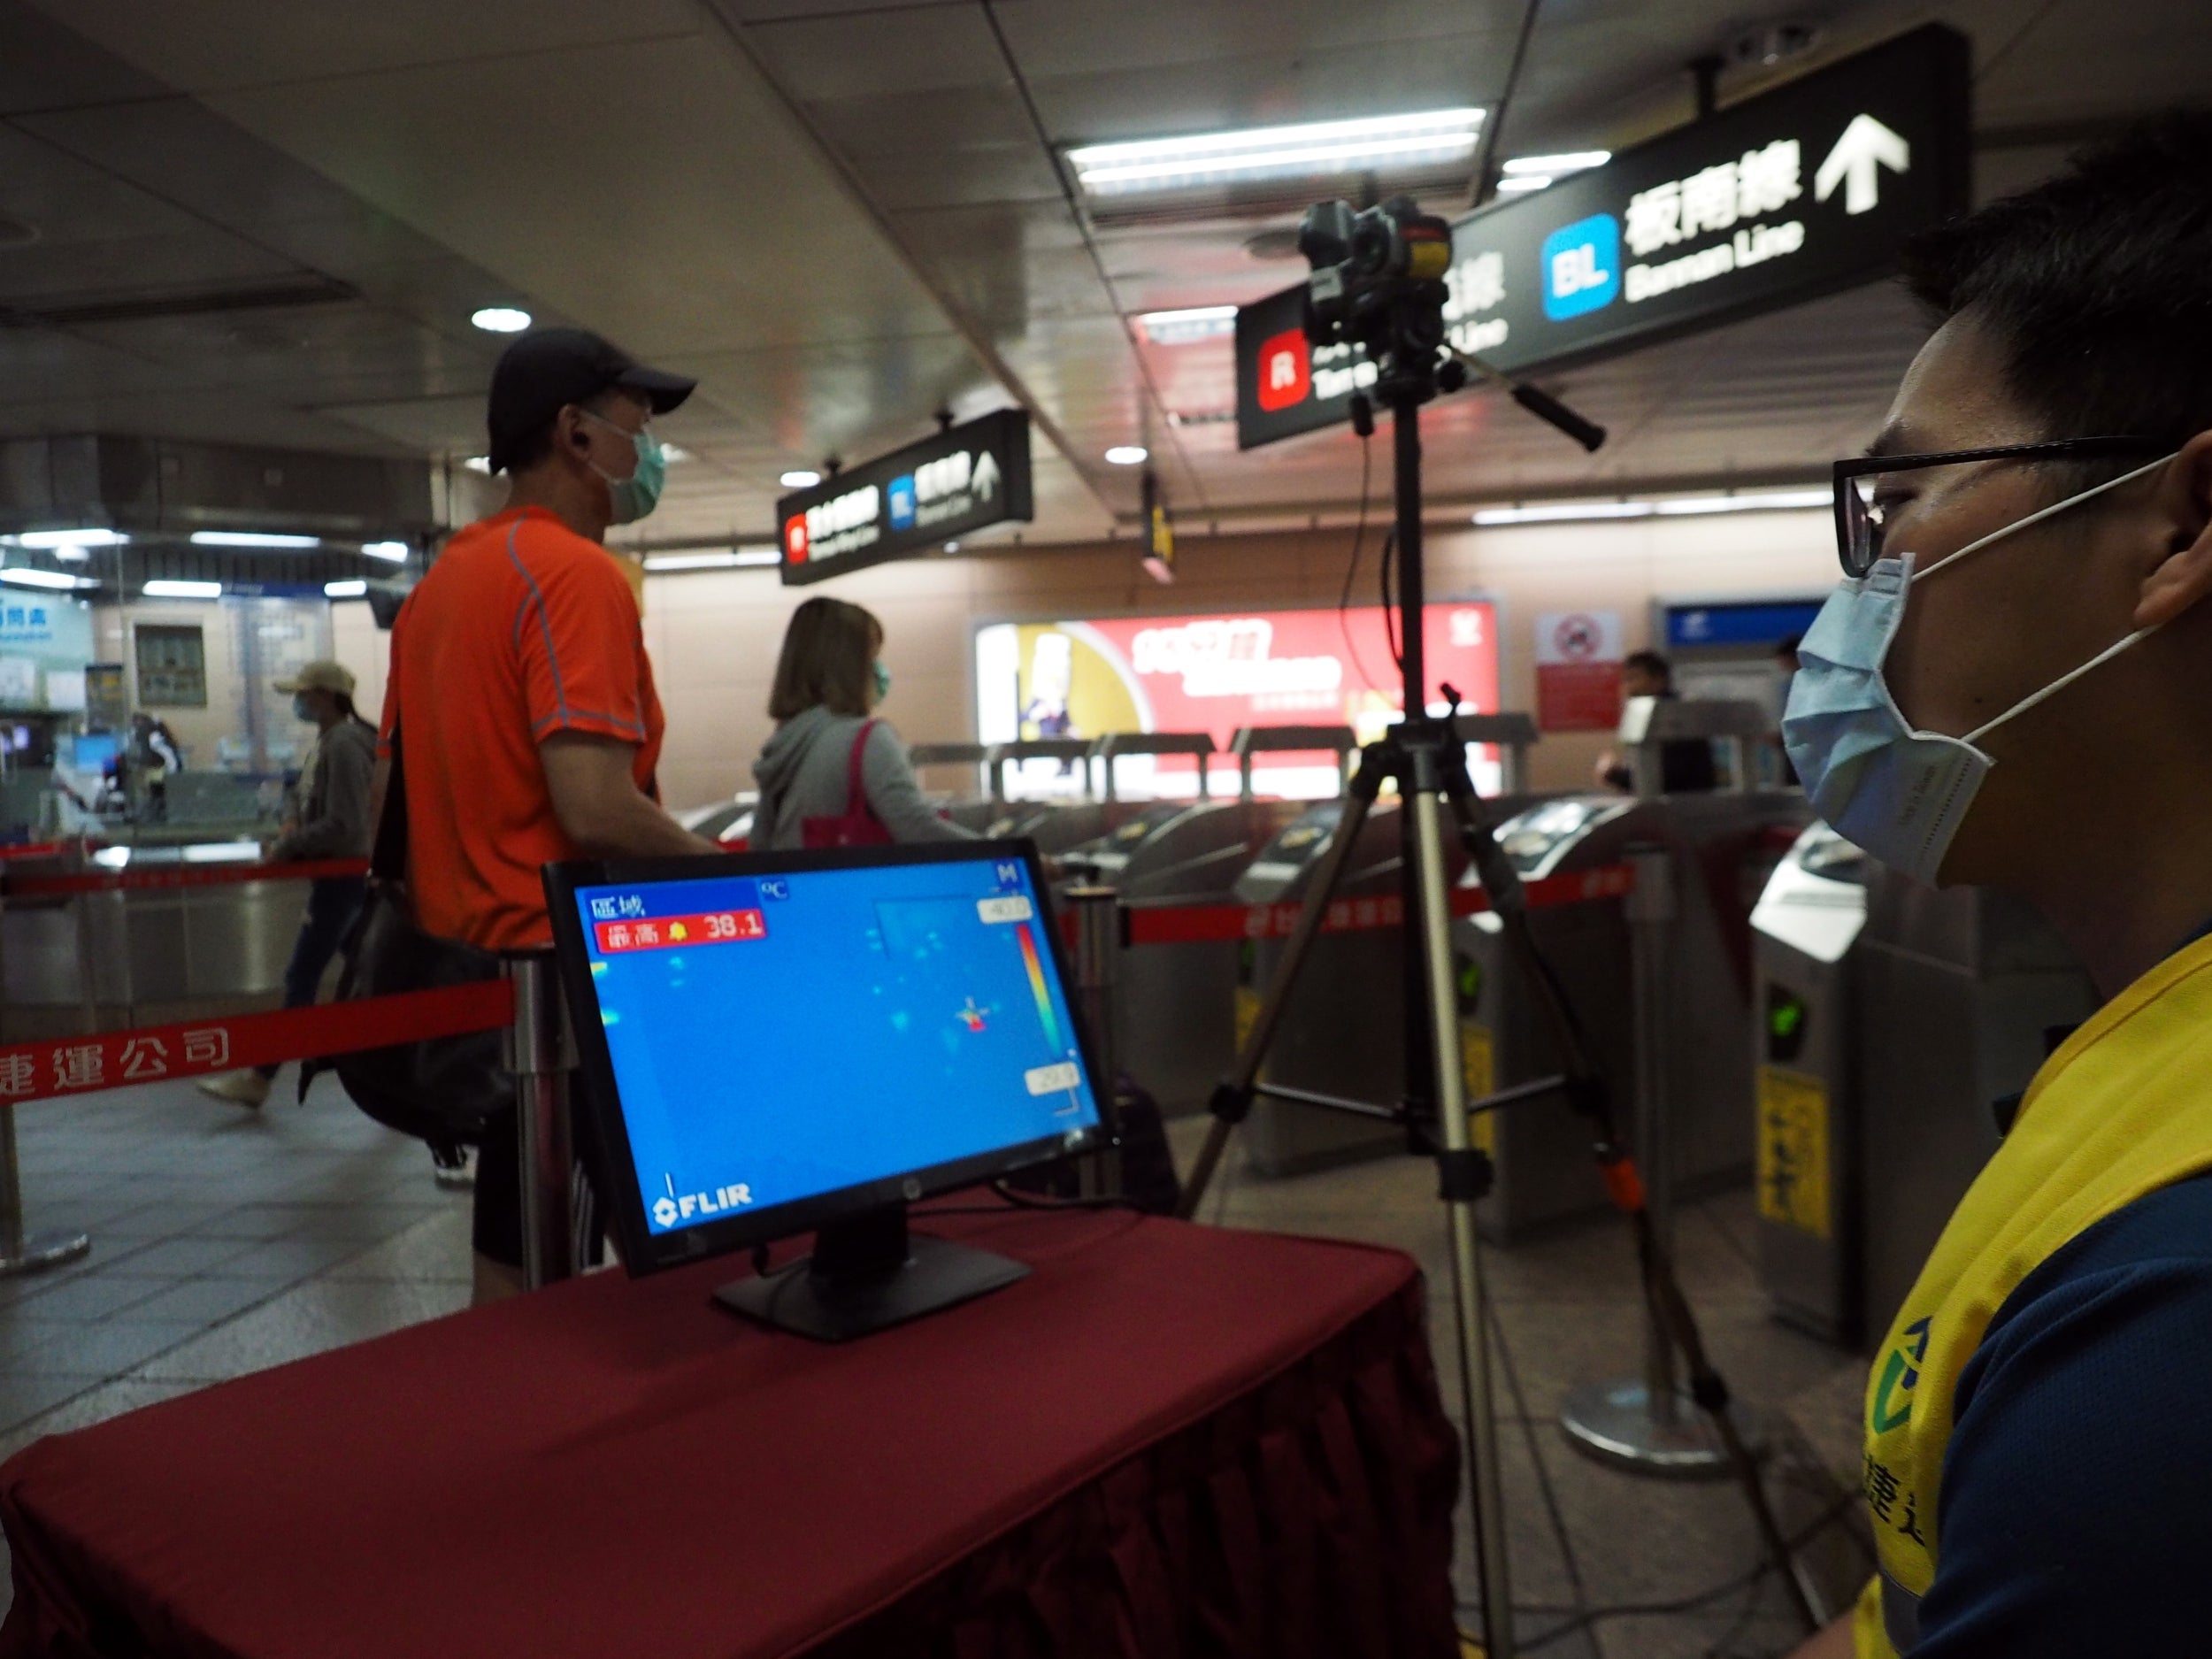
[(332, 822)]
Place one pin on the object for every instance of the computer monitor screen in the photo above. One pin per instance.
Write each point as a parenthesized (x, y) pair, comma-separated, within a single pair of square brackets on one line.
[(94, 752), (771, 1041)]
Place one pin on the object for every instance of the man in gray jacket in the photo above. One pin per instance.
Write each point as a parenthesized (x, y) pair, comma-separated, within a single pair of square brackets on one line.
[(331, 823)]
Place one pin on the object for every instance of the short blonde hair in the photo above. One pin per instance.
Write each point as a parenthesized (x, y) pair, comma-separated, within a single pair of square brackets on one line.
[(828, 658)]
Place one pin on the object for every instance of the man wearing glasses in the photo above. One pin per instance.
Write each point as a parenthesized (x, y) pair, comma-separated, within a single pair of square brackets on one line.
[(2014, 686)]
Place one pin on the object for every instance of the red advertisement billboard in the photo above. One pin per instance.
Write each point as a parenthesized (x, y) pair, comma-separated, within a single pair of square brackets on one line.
[(1215, 673)]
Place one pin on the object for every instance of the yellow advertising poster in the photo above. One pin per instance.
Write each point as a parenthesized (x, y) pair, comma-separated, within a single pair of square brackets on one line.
[(1794, 1150)]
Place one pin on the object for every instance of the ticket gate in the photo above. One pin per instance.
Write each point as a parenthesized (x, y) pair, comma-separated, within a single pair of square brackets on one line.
[(972, 805), (1344, 1033), (1891, 1019), (1174, 1005)]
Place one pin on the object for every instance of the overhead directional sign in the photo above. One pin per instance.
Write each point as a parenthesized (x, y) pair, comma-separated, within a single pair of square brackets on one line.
[(910, 502), (1798, 192)]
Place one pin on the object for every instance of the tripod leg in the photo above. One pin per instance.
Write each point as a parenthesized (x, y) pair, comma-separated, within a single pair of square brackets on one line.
[(1232, 1097), (1462, 1180)]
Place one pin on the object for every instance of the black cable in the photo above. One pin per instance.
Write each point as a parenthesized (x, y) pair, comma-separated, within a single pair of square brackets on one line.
[(1351, 572), (1536, 1456), (1390, 604), (1485, 164), (1689, 1603)]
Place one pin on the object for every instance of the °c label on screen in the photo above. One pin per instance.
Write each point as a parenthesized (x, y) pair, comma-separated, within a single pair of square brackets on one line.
[(666, 932)]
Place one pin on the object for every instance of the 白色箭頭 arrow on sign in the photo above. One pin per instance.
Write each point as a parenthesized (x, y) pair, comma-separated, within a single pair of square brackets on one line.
[(984, 480), (1855, 163)]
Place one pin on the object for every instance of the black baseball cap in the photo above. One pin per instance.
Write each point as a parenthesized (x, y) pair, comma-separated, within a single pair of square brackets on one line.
[(549, 368)]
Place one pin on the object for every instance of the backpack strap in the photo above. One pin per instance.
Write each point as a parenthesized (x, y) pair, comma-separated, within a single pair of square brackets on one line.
[(855, 786), (388, 856)]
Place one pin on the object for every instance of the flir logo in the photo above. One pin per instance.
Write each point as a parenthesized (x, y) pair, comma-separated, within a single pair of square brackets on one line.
[(699, 1206), (900, 496), (1582, 267)]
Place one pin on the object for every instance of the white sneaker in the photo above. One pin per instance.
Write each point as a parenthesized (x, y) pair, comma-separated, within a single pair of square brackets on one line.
[(460, 1173), (240, 1088)]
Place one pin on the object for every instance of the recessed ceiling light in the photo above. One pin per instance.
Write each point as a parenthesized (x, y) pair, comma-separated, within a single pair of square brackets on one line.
[(500, 319), (1552, 166), (183, 590), (31, 576), (1195, 322), (251, 538), (800, 478), (1127, 454), (1316, 147), (355, 589), (395, 551)]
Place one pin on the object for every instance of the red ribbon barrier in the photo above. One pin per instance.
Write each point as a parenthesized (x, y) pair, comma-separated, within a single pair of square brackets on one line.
[(157, 876), (119, 1059), (1219, 923)]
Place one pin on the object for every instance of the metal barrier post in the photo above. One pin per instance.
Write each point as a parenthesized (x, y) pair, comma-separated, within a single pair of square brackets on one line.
[(541, 1054), (1097, 912), (1645, 1423), (22, 1253)]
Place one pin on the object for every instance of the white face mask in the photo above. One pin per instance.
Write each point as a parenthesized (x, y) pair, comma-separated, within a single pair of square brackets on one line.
[(1897, 793)]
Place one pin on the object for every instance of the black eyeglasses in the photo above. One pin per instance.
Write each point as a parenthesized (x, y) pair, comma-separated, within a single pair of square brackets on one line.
[(1859, 509)]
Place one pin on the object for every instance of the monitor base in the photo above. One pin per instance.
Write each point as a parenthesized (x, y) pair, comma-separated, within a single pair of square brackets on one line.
[(836, 1307)]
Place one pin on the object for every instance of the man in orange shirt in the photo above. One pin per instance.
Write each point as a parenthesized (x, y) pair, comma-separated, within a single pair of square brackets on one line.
[(521, 696)]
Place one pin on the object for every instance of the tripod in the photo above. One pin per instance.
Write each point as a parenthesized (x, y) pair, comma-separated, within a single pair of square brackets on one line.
[(1424, 758)]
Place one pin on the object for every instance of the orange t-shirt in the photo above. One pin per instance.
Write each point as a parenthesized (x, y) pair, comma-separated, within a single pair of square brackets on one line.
[(521, 629)]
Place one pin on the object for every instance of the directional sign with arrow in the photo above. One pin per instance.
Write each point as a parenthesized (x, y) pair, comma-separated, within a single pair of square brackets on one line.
[(910, 502), (1795, 193), (1856, 163)]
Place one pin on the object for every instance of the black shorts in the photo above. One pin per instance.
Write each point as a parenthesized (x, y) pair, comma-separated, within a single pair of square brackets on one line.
[(496, 1227)]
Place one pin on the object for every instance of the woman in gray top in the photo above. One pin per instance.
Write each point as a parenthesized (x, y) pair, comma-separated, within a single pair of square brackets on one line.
[(828, 681)]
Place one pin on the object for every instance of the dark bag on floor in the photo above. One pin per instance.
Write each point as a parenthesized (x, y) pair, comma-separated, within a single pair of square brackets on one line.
[(440, 1089)]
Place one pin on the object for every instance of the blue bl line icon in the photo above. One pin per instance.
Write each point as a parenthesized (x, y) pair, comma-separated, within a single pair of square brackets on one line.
[(1581, 266)]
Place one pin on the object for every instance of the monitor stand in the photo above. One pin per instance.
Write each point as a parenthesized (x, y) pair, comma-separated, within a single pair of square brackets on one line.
[(867, 1273)]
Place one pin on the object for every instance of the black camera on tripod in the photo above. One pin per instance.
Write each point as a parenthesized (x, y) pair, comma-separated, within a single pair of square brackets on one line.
[(1377, 281)]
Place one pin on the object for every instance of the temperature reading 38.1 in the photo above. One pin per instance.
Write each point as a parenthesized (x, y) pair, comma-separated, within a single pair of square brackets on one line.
[(666, 933)]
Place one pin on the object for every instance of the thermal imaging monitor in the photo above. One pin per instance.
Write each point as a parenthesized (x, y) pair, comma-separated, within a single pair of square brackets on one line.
[(778, 1042)]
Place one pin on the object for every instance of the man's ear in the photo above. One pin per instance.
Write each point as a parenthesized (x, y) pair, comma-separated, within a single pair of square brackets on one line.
[(2184, 509)]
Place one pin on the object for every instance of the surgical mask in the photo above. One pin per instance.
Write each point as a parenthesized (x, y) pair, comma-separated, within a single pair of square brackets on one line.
[(881, 676), (301, 712), (1897, 793), (631, 498)]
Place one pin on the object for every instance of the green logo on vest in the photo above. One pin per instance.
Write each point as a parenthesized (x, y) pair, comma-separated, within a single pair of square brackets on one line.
[(1901, 1371)]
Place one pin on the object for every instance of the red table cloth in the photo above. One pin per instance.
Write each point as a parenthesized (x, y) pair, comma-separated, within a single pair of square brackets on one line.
[(1167, 1440)]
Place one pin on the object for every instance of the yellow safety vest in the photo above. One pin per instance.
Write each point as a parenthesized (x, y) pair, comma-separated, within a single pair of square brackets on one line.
[(2122, 1108)]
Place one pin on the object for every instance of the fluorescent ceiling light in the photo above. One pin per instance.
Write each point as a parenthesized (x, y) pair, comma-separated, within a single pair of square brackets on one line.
[(88, 537), (734, 558), (354, 589), (30, 576), (251, 538), (500, 319), (223, 853), (183, 590), (1573, 161), (395, 552), (1316, 147), (73, 555), (1778, 500), (800, 478), (1196, 322), (1127, 454), (1521, 183), (1673, 507)]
